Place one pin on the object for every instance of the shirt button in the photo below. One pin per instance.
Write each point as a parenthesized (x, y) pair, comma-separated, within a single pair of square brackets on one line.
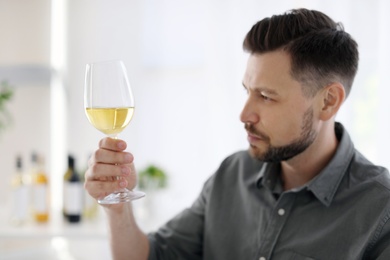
[(262, 258), (281, 212)]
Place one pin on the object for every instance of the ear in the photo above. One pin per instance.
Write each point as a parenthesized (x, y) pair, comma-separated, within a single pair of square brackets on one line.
[(331, 98)]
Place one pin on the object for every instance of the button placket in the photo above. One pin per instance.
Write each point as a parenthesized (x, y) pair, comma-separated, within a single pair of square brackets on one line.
[(278, 219)]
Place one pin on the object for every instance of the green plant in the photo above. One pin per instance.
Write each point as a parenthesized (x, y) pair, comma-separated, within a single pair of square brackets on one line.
[(152, 177), (6, 93)]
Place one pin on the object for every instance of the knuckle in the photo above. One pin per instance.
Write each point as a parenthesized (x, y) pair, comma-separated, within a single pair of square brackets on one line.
[(91, 172), (94, 168), (91, 191), (102, 142), (98, 154), (100, 189)]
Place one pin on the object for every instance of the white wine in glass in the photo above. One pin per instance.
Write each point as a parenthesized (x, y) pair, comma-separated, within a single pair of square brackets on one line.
[(109, 106)]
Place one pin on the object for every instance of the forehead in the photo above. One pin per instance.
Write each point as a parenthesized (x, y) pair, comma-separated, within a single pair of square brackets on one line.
[(270, 70)]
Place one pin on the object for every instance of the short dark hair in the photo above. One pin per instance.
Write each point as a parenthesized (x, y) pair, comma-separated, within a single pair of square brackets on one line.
[(321, 51)]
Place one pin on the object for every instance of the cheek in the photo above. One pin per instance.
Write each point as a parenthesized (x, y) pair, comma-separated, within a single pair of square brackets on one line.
[(283, 128)]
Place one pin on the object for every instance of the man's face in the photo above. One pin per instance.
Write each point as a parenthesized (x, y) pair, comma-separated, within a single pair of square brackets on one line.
[(278, 118)]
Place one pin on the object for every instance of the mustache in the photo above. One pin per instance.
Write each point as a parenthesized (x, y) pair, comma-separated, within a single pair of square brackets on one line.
[(252, 130)]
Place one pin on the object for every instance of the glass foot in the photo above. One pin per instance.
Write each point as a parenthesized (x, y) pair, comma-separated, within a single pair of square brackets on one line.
[(122, 197)]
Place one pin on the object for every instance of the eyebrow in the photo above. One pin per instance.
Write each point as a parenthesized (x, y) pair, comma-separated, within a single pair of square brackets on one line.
[(263, 89)]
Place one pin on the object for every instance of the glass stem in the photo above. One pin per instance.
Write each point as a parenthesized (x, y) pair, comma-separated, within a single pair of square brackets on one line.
[(113, 136)]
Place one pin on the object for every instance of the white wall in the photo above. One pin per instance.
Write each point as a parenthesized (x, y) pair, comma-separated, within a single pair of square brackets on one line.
[(25, 41), (25, 27)]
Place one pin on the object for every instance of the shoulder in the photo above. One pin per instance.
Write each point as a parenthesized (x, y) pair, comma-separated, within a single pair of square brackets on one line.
[(236, 170), (363, 171)]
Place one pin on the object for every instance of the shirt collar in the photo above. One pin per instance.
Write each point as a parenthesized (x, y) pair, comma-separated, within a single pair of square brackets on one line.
[(269, 176), (326, 183)]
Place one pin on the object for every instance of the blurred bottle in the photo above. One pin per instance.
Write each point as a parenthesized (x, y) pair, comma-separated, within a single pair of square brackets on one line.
[(91, 208), (67, 175), (20, 196), (73, 193), (40, 189)]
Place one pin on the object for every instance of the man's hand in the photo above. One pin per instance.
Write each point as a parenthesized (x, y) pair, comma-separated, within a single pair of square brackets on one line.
[(110, 168)]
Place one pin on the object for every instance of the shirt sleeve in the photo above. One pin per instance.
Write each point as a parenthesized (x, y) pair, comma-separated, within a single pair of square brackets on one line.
[(379, 248), (385, 255), (182, 236)]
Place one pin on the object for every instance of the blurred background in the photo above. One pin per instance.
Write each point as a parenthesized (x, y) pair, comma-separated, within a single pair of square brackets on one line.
[(185, 64)]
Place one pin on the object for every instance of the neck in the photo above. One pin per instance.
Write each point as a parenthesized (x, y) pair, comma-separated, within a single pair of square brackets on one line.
[(305, 166)]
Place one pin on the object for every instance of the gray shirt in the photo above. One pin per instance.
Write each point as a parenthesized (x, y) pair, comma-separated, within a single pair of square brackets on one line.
[(243, 213)]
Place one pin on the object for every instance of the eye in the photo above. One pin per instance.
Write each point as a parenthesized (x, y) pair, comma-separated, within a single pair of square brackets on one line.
[(265, 98)]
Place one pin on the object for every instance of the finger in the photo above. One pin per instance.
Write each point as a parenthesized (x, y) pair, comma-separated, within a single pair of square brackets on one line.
[(110, 157), (131, 178), (99, 171), (99, 189), (112, 144)]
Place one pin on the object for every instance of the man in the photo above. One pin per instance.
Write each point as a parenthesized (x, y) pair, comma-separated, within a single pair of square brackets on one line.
[(301, 192)]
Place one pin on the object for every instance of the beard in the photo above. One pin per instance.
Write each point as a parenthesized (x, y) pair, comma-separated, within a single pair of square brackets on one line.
[(285, 152)]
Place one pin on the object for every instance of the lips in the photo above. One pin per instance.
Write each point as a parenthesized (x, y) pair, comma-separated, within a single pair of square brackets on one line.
[(255, 135), (254, 138)]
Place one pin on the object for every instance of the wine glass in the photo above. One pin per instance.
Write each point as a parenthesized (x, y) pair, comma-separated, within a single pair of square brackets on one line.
[(109, 106)]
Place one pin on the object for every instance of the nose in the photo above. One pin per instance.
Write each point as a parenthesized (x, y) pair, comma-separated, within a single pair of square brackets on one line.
[(249, 113)]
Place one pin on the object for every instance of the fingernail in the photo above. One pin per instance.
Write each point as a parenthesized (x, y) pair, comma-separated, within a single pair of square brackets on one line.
[(121, 145), (123, 184), (125, 170), (128, 158)]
